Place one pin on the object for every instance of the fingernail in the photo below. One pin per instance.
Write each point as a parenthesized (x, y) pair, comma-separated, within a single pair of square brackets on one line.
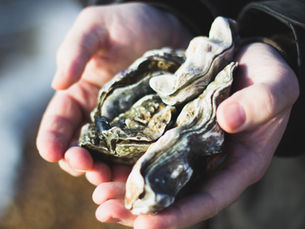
[(236, 116)]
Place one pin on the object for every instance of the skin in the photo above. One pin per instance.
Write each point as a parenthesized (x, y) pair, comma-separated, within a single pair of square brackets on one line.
[(98, 45)]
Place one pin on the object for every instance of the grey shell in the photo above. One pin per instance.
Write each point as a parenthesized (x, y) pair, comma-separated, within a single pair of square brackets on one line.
[(159, 115)]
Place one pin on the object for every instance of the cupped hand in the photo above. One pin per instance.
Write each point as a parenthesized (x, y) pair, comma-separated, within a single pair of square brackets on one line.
[(255, 116), (103, 41), (106, 39)]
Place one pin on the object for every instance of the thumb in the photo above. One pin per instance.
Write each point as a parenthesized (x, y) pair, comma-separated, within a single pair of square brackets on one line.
[(81, 43), (268, 84), (252, 106)]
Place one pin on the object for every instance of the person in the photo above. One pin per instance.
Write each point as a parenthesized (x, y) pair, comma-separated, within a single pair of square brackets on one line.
[(106, 39)]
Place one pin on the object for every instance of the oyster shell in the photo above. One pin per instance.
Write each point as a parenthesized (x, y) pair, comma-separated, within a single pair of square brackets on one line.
[(159, 114), (170, 163), (205, 57), (124, 122)]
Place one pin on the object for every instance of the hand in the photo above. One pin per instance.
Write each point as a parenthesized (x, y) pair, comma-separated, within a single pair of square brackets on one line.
[(255, 116), (103, 41)]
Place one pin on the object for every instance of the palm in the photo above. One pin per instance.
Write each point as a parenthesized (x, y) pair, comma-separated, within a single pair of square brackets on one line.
[(246, 164), (114, 37), (100, 44), (250, 146)]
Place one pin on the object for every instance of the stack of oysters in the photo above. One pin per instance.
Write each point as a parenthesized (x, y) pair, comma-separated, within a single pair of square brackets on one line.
[(159, 115)]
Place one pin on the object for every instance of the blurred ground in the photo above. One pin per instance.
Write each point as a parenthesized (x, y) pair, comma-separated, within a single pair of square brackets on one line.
[(35, 194), (275, 202)]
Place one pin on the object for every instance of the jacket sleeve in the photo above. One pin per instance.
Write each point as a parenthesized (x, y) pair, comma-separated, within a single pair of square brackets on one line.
[(282, 21)]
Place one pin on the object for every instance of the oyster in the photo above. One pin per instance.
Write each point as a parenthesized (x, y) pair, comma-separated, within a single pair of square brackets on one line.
[(205, 57), (159, 114), (170, 163), (130, 115)]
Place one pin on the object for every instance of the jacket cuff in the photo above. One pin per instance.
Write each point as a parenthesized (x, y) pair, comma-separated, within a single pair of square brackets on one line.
[(280, 22)]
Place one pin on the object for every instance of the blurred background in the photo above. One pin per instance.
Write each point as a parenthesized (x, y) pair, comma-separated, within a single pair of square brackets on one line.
[(35, 194)]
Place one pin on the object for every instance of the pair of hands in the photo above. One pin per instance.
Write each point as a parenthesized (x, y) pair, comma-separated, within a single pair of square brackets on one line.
[(104, 41)]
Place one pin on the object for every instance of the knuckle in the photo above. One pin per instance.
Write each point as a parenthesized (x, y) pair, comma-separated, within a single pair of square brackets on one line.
[(294, 87), (86, 11), (256, 178), (59, 54), (268, 99), (88, 14), (289, 83)]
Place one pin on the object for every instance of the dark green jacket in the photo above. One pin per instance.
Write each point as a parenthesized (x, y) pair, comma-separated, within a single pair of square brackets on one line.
[(280, 20)]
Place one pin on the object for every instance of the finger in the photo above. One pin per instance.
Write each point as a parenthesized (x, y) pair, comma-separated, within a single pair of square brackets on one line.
[(57, 127), (270, 86), (100, 173), (191, 210), (221, 190), (108, 190), (62, 119), (64, 165), (84, 39), (251, 107), (120, 172), (114, 211), (79, 158)]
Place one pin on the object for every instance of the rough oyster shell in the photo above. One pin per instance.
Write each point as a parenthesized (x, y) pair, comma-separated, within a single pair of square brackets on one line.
[(124, 122), (205, 57), (169, 164), (163, 106)]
